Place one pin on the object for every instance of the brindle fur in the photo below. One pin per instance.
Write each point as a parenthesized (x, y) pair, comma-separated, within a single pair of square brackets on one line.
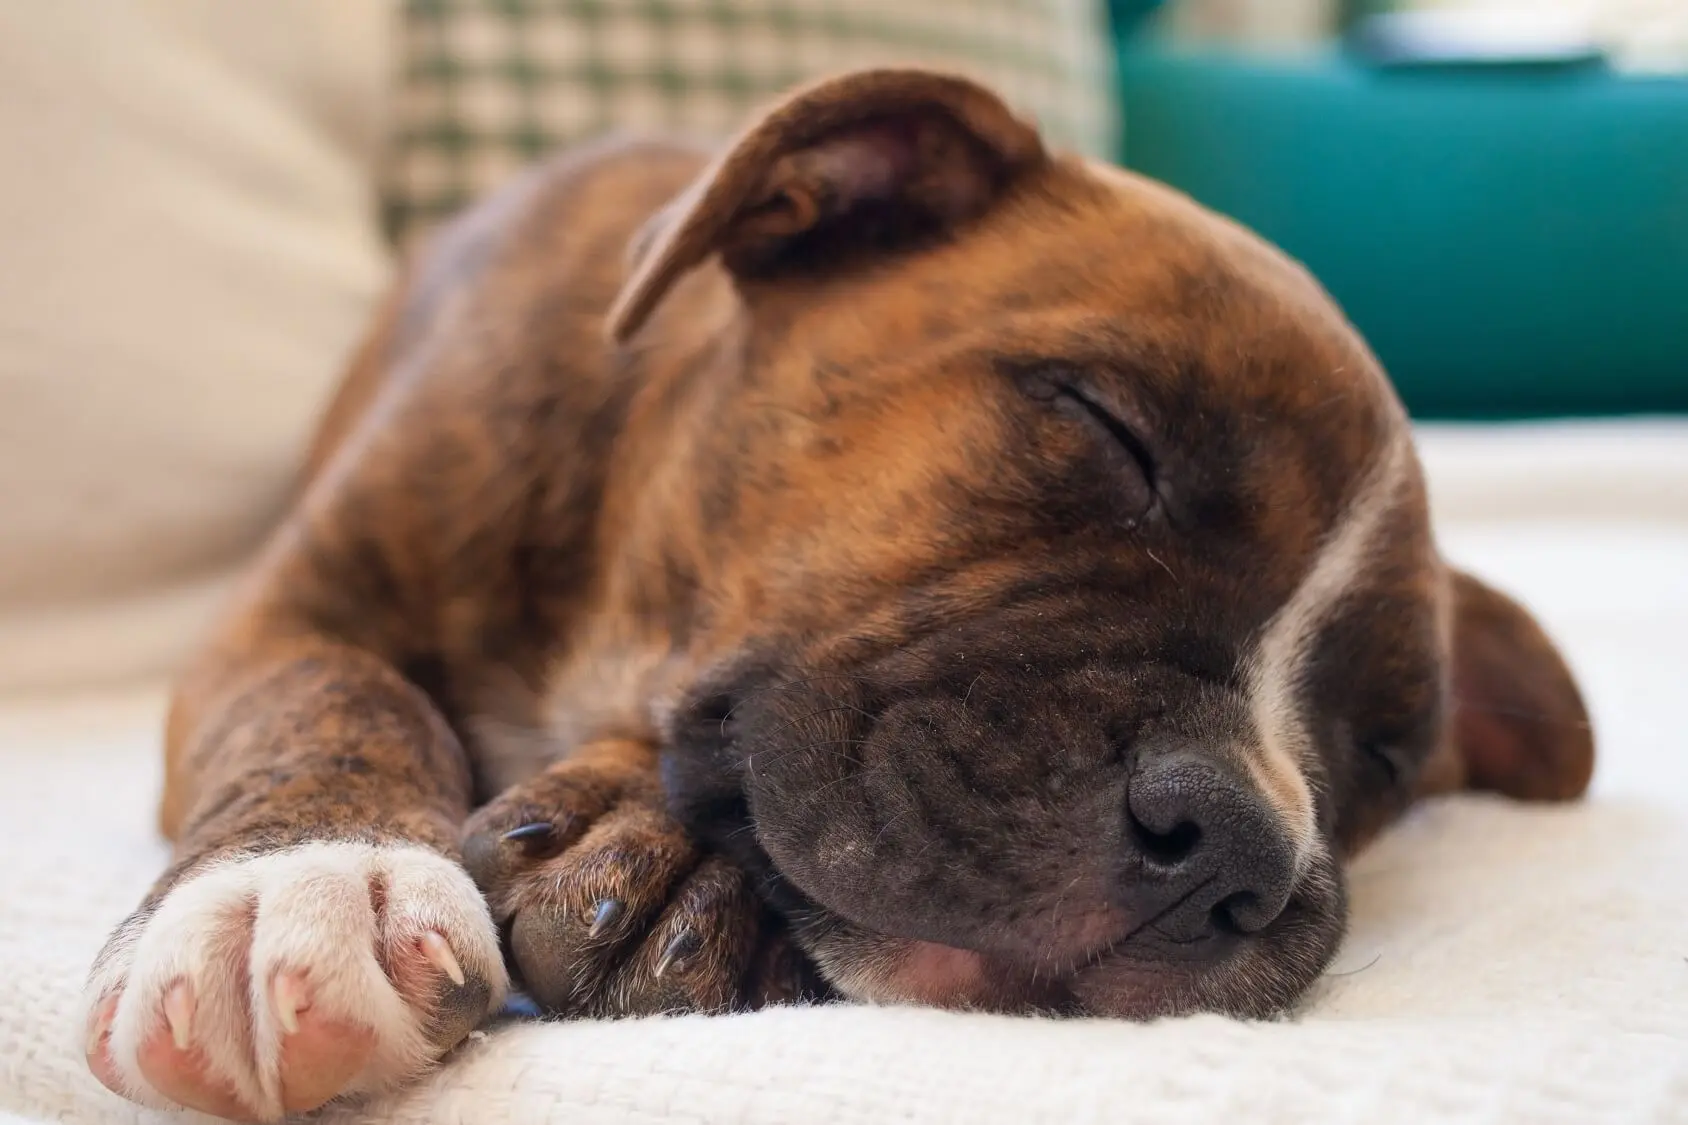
[(657, 552)]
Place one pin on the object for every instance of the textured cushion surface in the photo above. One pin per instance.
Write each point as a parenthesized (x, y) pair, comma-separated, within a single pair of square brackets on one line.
[(487, 85)]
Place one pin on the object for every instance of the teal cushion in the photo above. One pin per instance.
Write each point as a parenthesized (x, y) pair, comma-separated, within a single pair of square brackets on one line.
[(1512, 241)]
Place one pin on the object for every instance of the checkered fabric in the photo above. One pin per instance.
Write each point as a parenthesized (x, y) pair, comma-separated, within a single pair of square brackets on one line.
[(490, 84)]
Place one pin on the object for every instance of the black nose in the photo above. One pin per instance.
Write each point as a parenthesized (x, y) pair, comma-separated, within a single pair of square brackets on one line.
[(1212, 854)]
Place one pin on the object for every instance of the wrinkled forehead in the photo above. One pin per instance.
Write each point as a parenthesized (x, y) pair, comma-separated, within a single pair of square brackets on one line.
[(1241, 368), (1261, 404), (1253, 371), (1086, 261)]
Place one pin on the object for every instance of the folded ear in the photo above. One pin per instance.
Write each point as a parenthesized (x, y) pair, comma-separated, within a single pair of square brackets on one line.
[(1519, 726), (866, 159)]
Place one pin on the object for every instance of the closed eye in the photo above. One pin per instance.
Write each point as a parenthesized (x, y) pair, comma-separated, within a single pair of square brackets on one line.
[(1385, 756), (1129, 472), (1115, 430)]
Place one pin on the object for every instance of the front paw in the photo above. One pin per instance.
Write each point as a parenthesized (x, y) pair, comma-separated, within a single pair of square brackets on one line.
[(269, 984), (611, 910)]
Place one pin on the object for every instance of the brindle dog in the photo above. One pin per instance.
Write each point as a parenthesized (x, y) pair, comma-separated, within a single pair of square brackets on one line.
[(890, 557)]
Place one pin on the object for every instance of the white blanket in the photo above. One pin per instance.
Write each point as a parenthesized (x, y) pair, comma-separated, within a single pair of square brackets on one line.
[(1504, 964)]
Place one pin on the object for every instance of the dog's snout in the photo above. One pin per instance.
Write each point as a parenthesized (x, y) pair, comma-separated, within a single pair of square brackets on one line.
[(1212, 855)]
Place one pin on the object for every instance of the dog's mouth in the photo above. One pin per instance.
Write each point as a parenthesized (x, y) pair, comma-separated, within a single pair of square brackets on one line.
[(1141, 975), (1024, 885), (1103, 963)]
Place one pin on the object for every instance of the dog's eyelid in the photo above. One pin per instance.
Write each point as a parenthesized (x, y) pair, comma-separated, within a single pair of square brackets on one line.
[(1108, 419), (1052, 368), (1390, 748), (1089, 391), (1099, 379), (1385, 755)]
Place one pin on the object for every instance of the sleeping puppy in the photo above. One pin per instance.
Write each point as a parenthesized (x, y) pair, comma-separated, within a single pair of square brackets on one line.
[(888, 557)]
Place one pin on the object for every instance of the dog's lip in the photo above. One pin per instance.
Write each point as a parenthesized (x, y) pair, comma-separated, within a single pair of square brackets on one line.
[(1123, 971), (1121, 977), (909, 970), (936, 973), (1110, 933)]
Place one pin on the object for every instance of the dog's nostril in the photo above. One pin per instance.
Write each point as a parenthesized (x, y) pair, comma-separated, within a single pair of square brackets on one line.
[(1236, 914), (1209, 848), (1167, 848)]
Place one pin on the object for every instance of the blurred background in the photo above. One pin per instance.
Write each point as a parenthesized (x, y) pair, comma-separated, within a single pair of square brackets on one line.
[(202, 201)]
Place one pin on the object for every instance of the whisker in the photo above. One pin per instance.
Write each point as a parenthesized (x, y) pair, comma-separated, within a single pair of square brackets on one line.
[(1162, 565), (1355, 972)]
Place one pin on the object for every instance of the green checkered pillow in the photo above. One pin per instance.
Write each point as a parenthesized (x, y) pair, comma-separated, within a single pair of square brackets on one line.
[(490, 84)]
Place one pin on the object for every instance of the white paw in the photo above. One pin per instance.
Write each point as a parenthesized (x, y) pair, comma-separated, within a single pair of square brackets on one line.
[(267, 985)]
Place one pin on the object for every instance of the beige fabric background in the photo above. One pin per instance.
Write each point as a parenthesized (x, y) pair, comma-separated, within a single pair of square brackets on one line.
[(188, 246)]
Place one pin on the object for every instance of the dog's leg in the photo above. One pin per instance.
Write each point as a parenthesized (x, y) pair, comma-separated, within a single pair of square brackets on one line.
[(611, 908), (316, 934)]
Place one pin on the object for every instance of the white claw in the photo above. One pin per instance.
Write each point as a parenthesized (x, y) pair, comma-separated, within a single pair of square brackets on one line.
[(178, 1013), (436, 949), (101, 1025), (287, 994)]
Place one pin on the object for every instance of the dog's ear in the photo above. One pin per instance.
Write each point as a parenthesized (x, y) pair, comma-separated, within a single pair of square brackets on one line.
[(1518, 726), (862, 160)]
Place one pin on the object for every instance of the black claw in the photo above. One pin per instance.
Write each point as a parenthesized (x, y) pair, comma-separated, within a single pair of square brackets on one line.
[(685, 943), (604, 917), (532, 837)]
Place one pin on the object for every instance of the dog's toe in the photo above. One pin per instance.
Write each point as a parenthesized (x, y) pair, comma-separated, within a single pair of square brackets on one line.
[(611, 909), (271, 984)]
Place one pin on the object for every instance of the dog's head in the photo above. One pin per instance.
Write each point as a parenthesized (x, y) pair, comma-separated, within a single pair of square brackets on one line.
[(1067, 587)]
